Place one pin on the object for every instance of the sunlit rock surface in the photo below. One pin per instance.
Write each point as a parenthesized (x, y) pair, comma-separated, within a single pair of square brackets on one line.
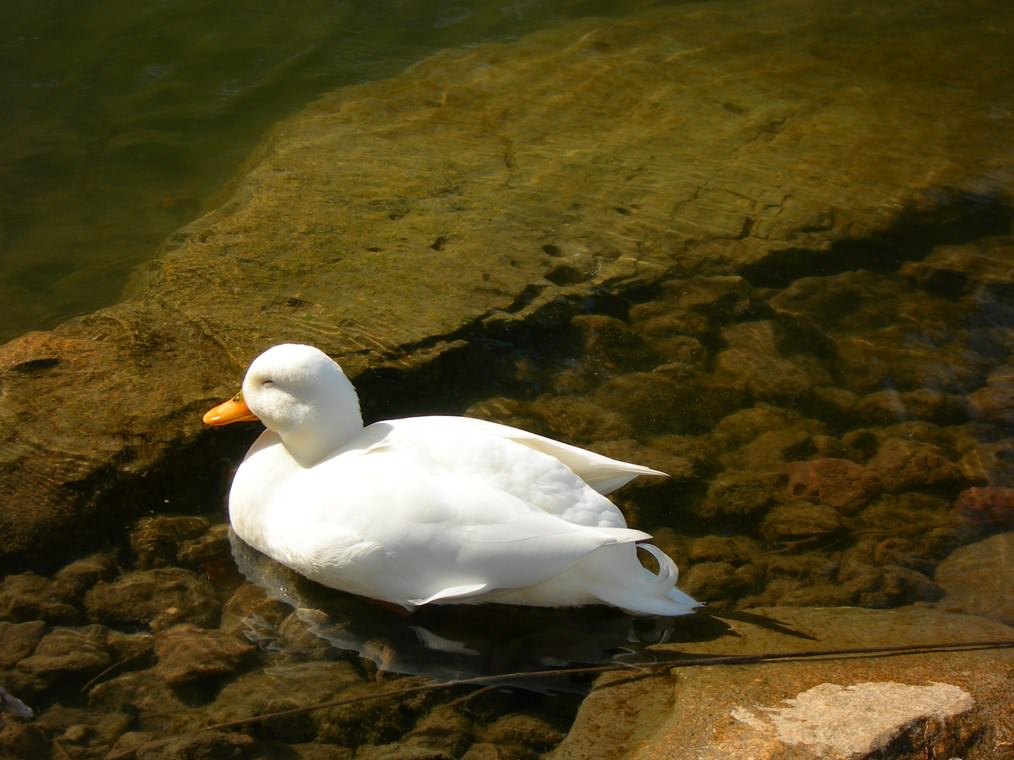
[(938, 704), (400, 219)]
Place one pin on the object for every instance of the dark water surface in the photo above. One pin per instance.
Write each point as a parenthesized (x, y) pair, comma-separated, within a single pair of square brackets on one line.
[(125, 120)]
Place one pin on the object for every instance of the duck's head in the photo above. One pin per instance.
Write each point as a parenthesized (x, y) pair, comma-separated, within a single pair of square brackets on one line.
[(301, 394)]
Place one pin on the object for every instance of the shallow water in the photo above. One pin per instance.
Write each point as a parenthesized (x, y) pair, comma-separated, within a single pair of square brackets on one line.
[(125, 121), (836, 421)]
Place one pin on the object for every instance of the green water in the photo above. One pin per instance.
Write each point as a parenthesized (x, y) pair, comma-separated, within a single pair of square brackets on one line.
[(125, 120)]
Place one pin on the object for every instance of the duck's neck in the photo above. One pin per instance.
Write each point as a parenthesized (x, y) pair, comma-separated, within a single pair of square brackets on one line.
[(332, 420)]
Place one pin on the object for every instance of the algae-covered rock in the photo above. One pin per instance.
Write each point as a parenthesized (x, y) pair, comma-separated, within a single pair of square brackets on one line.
[(969, 576), (157, 599), (67, 653), (27, 596), (394, 220), (187, 653), (156, 540)]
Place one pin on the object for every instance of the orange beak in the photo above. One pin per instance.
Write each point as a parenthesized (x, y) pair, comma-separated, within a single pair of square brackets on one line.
[(233, 410)]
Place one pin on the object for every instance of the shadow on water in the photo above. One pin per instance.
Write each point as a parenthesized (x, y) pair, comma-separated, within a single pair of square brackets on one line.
[(447, 642), (953, 218)]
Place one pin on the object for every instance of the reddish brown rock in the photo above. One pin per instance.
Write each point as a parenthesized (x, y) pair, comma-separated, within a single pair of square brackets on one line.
[(990, 506), (839, 483)]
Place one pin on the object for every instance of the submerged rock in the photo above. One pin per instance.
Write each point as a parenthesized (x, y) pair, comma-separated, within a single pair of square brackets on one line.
[(18, 640), (157, 599), (67, 653), (442, 187), (839, 483), (187, 653), (28, 596), (969, 576)]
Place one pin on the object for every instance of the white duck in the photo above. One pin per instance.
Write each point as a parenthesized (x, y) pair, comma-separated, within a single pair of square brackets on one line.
[(429, 510)]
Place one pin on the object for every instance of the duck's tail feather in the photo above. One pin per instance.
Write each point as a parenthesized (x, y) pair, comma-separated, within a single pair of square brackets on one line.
[(645, 592)]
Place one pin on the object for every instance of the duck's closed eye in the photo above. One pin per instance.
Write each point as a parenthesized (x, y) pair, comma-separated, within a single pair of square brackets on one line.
[(267, 384)]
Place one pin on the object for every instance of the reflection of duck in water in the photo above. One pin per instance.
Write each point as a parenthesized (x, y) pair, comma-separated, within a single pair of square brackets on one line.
[(430, 510), (458, 641)]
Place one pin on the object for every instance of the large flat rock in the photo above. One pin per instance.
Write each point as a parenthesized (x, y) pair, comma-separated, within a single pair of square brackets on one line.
[(394, 221), (943, 704)]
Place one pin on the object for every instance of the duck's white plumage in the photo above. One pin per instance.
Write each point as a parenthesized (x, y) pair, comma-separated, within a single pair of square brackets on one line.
[(432, 509)]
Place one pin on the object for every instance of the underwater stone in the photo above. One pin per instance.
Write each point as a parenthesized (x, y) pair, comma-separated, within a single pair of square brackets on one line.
[(732, 549), (740, 493), (995, 401), (610, 344), (753, 362), (157, 598), (74, 579), (987, 507), (907, 465), (839, 483), (27, 596), (23, 740), (969, 576), (885, 407), (580, 421), (989, 463), (68, 652), (18, 640), (800, 521), (220, 745), (156, 540), (187, 653), (719, 582)]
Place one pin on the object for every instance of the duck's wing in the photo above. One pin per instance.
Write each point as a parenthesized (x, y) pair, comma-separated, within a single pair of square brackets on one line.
[(438, 536), (602, 473), (500, 458)]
